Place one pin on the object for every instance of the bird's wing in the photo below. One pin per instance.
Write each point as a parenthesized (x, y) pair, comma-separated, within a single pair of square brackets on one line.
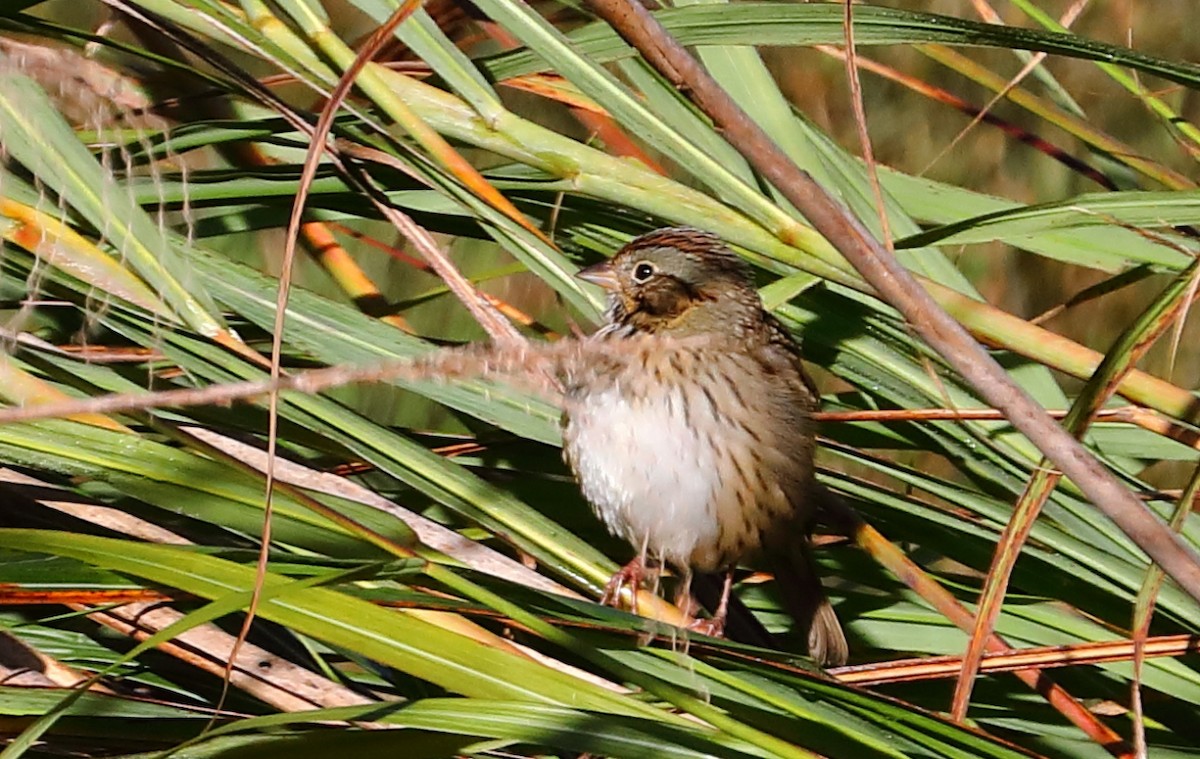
[(781, 341)]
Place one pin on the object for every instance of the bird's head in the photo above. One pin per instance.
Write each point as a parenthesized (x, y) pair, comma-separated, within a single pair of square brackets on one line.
[(679, 280)]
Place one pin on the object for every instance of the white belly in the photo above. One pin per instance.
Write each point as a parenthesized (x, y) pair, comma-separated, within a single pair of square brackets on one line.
[(644, 471)]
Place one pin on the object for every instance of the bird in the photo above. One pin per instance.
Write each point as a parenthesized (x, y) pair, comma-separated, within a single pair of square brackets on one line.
[(694, 442)]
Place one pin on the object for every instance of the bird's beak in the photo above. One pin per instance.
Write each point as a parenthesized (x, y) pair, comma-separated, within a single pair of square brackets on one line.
[(601, 274)]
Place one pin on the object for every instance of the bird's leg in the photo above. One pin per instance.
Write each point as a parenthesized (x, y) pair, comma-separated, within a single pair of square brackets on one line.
[(683, 595), (715, 625), (630, 575)]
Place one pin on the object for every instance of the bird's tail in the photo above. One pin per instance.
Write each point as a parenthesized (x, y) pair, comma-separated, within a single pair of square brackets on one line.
[(804, 597)]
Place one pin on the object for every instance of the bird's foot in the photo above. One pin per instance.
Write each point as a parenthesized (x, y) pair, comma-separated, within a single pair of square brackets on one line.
[(712, 627), (631, 575)]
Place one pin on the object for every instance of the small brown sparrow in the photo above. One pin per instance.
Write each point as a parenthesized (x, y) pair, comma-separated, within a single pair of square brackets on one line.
[(697, 445)]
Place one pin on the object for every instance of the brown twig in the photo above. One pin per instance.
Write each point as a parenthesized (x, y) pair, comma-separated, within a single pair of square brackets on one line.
[(525, 363), (1147, 419), (860, 122), (1042, 657)]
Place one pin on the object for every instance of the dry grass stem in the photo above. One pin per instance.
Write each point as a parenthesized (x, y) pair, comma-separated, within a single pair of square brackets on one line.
[(538, 367)]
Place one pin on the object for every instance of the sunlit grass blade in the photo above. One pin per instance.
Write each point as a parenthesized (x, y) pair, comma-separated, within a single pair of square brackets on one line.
[(396, 639), (36, 135)]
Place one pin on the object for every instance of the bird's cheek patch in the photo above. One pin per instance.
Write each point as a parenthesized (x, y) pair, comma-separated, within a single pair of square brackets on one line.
[(665, 302)]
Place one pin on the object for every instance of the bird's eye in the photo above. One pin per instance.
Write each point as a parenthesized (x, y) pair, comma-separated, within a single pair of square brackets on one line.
[(642, 272)]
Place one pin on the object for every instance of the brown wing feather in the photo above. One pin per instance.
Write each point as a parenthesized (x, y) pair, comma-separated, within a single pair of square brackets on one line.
[(781, 339)]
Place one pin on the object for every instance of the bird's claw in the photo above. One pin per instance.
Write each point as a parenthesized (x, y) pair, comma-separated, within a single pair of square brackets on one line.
[(712, 627), (631, 576)]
